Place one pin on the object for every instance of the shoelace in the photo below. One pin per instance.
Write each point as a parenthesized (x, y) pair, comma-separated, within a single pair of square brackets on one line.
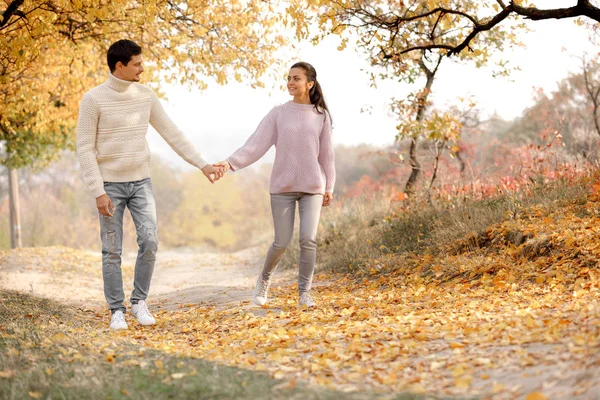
[(143, 310), (262, 288), (119, 317), (306, 299)]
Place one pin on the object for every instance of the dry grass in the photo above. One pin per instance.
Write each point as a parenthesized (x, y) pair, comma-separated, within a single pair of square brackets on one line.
[(360, 229)]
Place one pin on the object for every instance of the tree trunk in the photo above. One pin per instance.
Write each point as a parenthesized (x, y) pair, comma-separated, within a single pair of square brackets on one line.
[(461, 162), (414, 163), (439, 149), (416, 168), (15, 214)]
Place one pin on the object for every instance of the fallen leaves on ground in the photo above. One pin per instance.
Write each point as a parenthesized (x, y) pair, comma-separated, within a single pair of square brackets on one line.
[(444, 325), (512, 312)]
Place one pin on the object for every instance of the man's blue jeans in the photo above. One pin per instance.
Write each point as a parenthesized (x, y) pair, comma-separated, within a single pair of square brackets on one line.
[(138, 197)]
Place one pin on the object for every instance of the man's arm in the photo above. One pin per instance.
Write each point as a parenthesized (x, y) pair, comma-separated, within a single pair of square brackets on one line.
[(178, 142), (87, 127)]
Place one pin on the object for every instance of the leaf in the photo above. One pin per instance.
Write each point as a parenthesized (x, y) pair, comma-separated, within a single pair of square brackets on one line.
[(8, 373), (463, 382), (536, 396), (498, 387)]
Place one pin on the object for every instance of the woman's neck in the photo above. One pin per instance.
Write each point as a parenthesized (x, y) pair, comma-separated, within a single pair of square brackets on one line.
[(302, 99)]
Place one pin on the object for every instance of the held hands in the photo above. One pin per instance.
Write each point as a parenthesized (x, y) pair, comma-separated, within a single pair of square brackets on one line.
[(224, 165), (213, 173), (105, 205), (327, 199)]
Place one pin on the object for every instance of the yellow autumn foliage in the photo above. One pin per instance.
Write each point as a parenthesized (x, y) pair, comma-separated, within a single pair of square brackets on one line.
[(52, 52)]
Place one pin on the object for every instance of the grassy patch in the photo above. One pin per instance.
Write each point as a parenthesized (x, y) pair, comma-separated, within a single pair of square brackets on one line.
[(48, 350), (361, 230)]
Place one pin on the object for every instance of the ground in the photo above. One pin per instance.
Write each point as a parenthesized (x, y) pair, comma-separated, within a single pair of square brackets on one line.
[(481, 333)]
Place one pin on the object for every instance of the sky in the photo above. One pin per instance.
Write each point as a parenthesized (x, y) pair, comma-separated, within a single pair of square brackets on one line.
[(219, 119)]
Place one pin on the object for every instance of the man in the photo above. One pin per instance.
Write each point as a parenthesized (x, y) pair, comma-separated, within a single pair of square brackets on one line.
[(114, 157)]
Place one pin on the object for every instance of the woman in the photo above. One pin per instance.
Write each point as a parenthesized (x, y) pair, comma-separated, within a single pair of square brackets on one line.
[(303, 173)]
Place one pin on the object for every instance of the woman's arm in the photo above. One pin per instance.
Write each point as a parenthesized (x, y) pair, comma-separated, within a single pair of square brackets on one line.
[(326, 154), (257, 144)]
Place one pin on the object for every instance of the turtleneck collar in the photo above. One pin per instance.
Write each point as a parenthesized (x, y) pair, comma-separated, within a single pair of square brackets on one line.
[(117, 84)]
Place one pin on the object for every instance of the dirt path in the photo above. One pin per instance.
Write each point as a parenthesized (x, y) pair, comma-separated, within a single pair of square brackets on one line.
[(181, 276)]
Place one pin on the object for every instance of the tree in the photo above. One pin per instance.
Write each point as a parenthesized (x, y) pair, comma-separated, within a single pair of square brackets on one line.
[(590, 71), (402, 40), (52, 51), (469, 18), (571, 109)]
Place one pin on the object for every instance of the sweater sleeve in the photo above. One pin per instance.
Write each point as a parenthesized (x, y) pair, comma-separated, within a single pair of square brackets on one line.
[(87, 126), (326, 154), (257, 144), (173, 135)]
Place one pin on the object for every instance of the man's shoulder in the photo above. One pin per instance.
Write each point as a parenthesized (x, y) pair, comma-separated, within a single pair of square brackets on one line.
[(95, 91), (100, 92), (143, 88), (91, 97)]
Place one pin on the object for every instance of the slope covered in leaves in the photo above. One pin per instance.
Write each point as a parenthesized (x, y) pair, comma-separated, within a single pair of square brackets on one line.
[(513, 312)]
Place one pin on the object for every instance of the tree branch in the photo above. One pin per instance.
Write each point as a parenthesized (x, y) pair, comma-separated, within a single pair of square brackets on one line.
[(583, 8), (427, 47), (13, 9), (536, 14), (501, 16)]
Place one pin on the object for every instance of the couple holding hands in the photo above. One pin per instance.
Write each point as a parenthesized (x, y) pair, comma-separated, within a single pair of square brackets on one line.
[(114, 158)]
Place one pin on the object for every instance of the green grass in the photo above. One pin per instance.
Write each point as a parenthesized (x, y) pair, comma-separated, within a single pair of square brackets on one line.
[(29, 347)]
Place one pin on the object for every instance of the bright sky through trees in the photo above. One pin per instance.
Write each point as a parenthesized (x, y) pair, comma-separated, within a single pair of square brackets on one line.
[(219, 119)]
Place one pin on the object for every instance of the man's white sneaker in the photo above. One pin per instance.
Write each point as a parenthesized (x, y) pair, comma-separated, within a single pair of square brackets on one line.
[(140, 311), (118, 320), (260, 291), (306, 300)]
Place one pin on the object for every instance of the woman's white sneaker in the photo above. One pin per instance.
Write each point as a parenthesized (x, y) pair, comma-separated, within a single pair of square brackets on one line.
[(260, 292), (118, 320), (306, 300), (140, 311)]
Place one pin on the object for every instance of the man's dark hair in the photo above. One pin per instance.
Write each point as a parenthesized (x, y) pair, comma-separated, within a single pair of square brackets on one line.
[(121, 50)]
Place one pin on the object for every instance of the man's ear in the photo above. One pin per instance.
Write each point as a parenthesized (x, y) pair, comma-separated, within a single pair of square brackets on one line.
[(118, 65)]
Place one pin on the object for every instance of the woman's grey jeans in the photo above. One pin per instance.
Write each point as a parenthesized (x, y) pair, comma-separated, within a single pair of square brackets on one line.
[(283, 207), (138, 197)]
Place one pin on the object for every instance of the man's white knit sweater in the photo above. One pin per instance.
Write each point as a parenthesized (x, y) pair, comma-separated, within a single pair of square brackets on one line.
[(111, 134)]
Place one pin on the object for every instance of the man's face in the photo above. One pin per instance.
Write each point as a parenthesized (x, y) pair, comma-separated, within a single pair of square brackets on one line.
[(132, 71)]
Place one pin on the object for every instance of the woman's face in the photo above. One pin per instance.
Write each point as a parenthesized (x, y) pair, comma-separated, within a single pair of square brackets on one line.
[(297, 82)]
